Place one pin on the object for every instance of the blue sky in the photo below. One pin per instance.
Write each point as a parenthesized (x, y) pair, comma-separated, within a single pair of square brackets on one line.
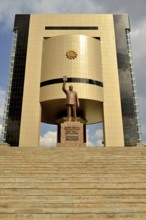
[(135, 9)]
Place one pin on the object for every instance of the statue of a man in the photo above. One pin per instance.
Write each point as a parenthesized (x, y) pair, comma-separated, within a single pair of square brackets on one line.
[(72, 101)]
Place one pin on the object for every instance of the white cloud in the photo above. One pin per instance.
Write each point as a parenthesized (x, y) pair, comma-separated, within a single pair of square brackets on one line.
[(99, 137), (49, 139), (95, 139), (89, 142), (99, 133), (99, 143), (138, 36), (9, 8)]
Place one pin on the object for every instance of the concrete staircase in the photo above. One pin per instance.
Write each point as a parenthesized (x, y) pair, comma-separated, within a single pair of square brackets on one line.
[(72, 183)]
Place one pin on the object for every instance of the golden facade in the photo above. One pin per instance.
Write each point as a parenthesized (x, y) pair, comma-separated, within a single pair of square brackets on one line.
[(96, 60), (86, 49)]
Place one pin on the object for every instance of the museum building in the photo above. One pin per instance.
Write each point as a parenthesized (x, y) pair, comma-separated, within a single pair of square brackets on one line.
[(94, 52)]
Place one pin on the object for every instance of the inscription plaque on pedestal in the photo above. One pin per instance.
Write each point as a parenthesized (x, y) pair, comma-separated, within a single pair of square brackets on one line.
[(72, 134)]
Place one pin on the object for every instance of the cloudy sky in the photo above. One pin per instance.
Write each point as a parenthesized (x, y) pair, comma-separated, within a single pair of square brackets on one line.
[(137, 13)]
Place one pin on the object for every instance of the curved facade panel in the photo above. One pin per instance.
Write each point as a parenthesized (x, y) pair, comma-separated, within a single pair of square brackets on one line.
[(85, 91), (87, 64), (78, 57)]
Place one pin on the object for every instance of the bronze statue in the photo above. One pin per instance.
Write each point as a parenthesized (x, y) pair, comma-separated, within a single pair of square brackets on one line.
[(72, 101)]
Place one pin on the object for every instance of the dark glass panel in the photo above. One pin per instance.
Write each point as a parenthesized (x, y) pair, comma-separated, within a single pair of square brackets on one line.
[(121, 23), (14, 112)]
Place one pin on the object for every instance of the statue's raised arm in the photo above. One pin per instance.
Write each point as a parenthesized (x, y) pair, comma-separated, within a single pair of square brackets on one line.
[(64, 84)]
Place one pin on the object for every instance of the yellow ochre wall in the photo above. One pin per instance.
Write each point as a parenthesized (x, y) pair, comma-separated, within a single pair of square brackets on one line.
[(86, 65), (108, 72)]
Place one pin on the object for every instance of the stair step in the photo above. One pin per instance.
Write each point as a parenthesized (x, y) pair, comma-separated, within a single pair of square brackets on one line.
[(71, 179), (74, 185), (69, 191), (73, 216), (72, 199), (62, 208)]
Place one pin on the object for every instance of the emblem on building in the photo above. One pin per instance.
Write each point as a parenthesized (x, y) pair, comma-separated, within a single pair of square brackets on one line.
[(71, 54)]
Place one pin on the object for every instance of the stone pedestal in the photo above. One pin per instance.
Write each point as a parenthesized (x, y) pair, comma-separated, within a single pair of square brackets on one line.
[(72, 134)]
